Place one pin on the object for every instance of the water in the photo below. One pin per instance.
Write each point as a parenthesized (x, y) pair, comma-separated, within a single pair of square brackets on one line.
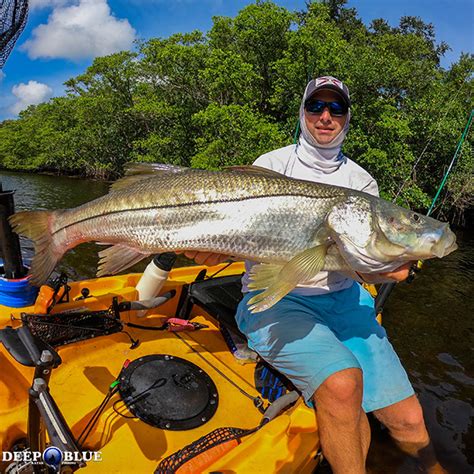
[(428, 321)]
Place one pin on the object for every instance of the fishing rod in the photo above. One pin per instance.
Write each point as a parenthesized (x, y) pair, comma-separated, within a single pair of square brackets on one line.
[(386, 288), (443, 182)]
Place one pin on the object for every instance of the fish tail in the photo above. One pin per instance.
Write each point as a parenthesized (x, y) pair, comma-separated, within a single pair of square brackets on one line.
[(37, 226)]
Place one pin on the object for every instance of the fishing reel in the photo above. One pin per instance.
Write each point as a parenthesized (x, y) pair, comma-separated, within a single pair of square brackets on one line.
[(414, 269)]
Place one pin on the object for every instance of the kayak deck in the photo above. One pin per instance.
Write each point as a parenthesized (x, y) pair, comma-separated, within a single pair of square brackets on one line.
[(289, 443)]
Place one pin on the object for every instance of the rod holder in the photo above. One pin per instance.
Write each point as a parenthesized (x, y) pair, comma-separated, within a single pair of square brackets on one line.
[(9, 241)]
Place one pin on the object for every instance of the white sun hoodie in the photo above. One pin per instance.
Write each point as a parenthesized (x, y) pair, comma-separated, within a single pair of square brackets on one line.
[(312, 161)]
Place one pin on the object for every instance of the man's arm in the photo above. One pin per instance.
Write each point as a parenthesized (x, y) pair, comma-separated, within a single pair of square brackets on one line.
[(399, 274), (206, 258)]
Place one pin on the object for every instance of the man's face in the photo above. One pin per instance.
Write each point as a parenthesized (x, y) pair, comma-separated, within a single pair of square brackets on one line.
[(325, 127)]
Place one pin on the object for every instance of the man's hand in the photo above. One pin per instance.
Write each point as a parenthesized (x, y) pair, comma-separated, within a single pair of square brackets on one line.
[(206, 258), (399, 274)]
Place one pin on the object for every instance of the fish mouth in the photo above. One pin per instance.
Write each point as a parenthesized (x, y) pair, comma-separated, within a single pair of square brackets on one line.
[(446, 244)]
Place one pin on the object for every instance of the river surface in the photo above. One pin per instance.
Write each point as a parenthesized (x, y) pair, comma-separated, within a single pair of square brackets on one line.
[(430, 323)]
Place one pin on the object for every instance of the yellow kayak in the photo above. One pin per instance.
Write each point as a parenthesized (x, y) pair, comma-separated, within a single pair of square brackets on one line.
[(179, 397)]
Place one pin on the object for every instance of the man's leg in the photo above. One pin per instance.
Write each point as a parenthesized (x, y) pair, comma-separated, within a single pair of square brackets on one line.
[(293, 337), (405, 422), (343, 427)]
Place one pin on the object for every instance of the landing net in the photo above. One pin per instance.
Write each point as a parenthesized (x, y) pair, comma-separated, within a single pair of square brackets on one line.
[(13, 15), (195, 457)]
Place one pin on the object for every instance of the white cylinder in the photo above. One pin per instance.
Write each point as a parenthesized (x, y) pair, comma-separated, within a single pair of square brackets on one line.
[(154, 277)]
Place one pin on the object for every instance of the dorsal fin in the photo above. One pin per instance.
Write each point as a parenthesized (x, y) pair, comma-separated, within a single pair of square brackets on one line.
[(254, 170), (135, 172), (132, 169)]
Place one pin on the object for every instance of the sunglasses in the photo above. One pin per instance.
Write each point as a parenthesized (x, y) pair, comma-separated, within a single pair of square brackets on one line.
[(338, 109)]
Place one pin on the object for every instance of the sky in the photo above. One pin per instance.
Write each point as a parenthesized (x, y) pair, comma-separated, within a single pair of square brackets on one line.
[(62, 37)]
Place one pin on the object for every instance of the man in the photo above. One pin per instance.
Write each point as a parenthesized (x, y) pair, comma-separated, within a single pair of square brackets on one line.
[(323, 335)]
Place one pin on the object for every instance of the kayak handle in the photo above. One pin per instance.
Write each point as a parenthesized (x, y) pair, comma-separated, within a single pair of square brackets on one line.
[(146, 304)]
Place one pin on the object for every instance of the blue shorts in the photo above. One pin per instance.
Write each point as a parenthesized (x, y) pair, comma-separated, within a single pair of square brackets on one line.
[(308, 338)]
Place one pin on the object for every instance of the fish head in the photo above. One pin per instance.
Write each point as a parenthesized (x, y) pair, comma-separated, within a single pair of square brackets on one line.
[(417, 236), (370, 231)]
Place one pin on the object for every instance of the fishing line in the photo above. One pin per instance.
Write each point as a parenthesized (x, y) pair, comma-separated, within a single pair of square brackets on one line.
[(386, 288)]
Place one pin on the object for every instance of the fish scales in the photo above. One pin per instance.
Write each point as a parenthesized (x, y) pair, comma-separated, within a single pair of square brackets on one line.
[(172, 212), (179, 189)]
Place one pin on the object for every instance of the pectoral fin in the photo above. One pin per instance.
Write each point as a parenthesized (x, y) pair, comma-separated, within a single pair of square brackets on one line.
[(264, 275), (280, 280)]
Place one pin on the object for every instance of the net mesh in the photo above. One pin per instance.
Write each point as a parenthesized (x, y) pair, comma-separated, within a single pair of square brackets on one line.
[(65, 328), (13, 15), (215, 438)]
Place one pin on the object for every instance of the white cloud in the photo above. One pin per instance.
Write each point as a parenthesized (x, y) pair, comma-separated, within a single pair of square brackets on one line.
[(30, 94), (84, 30)]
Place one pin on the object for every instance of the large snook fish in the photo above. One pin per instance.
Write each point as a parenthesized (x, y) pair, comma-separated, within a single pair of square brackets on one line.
[(294, 228)]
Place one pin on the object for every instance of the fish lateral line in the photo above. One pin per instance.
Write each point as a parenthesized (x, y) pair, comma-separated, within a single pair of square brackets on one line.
[(178, 205)]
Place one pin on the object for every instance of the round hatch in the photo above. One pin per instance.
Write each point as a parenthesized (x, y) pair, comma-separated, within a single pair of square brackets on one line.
[(168, 392)]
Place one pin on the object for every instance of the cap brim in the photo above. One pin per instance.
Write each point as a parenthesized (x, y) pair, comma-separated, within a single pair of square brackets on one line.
[(332, 88)]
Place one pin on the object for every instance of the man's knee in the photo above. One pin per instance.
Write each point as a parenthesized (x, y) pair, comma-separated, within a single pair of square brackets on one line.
[(412, 419), (343, 388), (404, 417)]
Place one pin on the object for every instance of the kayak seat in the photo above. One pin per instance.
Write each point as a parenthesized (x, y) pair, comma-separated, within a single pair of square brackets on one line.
[(219, 297)]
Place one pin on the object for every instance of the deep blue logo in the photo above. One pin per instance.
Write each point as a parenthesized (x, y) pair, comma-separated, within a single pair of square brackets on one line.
[(52, 457)]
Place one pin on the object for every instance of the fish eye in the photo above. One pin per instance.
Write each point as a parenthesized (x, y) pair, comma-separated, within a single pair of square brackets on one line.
[(391, 220), (416, 217)]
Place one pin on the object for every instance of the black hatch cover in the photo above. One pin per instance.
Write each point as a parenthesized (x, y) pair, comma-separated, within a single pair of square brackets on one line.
[(168, 392)]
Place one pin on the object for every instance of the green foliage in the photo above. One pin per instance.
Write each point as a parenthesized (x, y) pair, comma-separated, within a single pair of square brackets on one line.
[(233, 135), (230, 79), (223, 98)]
